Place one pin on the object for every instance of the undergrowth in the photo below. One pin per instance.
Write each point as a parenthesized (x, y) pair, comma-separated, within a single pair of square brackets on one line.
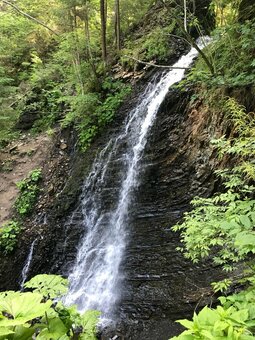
[(222, 227), (232, 56), (8, 236), (39, 313), (29, 191), (91, 112)]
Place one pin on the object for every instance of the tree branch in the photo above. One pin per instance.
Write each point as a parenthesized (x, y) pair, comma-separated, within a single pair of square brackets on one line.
[(156, 65), (29, 16)]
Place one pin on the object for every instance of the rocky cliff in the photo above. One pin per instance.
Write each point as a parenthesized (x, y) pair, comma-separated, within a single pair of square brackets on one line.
[(159, 286)]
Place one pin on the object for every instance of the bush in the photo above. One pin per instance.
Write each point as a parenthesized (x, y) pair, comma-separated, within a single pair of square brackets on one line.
[(40, 314), (8, 236), (232, 56), (91, 112), (29, 191)]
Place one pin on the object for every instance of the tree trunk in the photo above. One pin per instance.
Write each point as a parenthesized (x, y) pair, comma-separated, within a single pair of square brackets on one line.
[(117, 24), (103, 29), (87, 31), (185, 15)]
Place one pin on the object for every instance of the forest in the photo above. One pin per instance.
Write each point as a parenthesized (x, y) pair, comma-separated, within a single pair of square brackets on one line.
[(75, 68)]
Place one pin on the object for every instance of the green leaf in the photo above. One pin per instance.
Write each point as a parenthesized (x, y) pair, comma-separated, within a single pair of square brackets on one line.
[(23, 333), (240, 316), (5, 331), (89, 322), (245, 239), (207, 335), (23, 307), (48, 285), (186, 323), (207, 316), (246, 222), (54, 330)]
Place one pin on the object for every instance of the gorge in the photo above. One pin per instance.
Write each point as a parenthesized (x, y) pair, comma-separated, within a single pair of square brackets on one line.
[(141, 182), (126, 178)]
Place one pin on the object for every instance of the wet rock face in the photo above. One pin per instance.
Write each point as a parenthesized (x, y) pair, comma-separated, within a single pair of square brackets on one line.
[(159, 285)]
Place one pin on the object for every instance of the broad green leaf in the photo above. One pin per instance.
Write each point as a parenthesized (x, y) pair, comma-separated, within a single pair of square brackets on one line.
[(245, 239), (220, 325), (5, 331), (23, 307), (54, 330), (207, 316), (48, 285), (246, 222), (89, 322), (207, 335), (186, 323), (23, 333), (240, 316)]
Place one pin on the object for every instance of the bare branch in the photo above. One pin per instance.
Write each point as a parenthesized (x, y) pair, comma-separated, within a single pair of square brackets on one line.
[(29, 16), (179, 37), (155, 65)]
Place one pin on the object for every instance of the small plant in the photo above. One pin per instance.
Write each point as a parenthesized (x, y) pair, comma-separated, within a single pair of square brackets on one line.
[(29, 191), (222, 227), (221, 286), (35, 314), (91, 112), (8, 236)]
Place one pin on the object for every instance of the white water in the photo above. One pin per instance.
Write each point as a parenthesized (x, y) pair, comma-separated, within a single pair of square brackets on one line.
[(95, 278), (26, 267)]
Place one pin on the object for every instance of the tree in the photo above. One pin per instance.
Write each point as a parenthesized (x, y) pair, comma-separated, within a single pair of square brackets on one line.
[(117, 24), (103, 29)]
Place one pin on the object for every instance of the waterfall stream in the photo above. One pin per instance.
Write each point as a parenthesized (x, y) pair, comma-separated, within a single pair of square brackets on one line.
[(96, 275), (26, 267)]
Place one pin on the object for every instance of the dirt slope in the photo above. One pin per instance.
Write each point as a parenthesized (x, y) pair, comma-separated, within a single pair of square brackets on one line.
[(16, 161)]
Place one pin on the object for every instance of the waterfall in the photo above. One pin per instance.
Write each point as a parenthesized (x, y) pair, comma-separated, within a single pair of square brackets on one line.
[(26, 267), (95, 277)]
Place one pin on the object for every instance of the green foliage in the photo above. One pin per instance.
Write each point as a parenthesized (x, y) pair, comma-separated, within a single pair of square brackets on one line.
[(26, 315), (221, 286), (52, 286), (233, 319), (226, 221), (29, 191), (8, 236), (90, 113), (231, 54), (222, 227), (155, 45), (8, 116), (226, 11), (220, 323)]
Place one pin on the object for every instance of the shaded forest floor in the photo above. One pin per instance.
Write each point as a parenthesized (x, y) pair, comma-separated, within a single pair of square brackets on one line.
[(16, 161)]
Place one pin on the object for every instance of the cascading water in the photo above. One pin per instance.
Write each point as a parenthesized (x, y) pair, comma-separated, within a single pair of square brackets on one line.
[(95, 278), (26, 267)]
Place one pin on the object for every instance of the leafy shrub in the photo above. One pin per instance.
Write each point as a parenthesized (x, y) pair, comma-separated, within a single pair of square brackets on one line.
[(29, 191), (89, 113), (227, 219), (8, 236), (29, 315), (8, 116), (153, 45), (232, 57), (222, 227)]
